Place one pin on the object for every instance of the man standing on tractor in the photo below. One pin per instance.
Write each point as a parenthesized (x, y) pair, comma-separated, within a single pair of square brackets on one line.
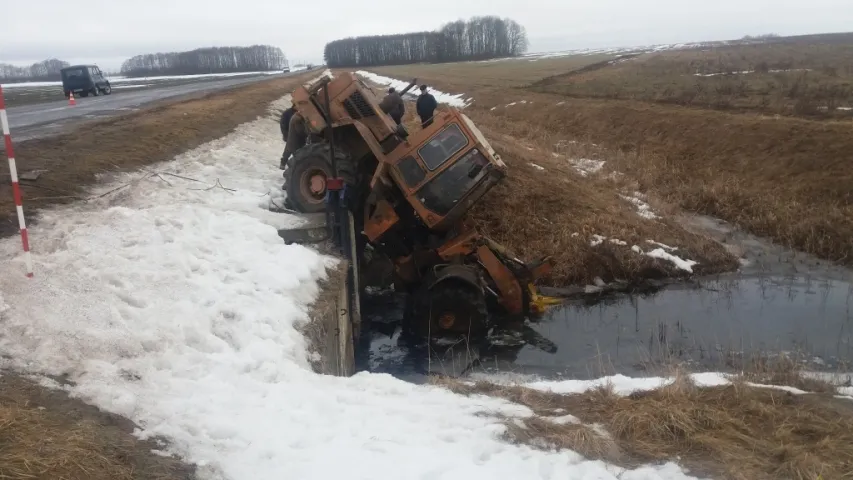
[(426, 107), (393, 105)]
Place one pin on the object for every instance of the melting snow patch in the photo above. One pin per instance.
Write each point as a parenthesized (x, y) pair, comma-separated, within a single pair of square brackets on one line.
[(440, 97), (643, 209), (511, 104), (121, 87), (624, 386), (560, 103), (664, 255), (538, 167), (618, 242), (586, 166), (597, 240), (564, 420), (652, 242)]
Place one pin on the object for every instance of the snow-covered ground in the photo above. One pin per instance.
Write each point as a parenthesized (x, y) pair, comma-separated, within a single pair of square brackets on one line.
[(457, 100), (174, 303)]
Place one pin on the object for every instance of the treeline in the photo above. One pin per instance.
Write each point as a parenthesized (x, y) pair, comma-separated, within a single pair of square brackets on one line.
[(480, 38), (44, 71), (255, 58)]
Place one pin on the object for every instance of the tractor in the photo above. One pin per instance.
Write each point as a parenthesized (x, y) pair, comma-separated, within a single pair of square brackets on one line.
[(406, 195)]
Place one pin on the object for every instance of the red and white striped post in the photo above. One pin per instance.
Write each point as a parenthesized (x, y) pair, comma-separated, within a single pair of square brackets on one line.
[(16, 189)]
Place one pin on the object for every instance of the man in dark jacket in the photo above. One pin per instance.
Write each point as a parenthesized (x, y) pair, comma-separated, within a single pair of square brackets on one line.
[(297, 137), (426, 107), (393, 105), (284, 123)]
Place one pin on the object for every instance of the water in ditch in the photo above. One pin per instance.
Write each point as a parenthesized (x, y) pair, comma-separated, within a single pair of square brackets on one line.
[(779, 302)]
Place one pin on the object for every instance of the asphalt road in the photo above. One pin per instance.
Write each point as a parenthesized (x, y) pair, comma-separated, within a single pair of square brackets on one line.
[(46, 119)]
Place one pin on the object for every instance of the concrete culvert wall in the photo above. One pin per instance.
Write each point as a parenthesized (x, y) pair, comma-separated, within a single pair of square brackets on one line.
[(330, 326)]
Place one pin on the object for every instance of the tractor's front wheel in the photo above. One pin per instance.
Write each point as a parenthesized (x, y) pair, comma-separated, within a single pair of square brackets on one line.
[(306, 174), (452, 307)]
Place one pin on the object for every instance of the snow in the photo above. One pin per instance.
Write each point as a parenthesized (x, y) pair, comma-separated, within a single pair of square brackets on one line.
[(120, 87), (624, 385), (586, 166), (643, 209), (174, 303), (538, 167), (665, 255), (597, 240), (667, 247), (457, 100)]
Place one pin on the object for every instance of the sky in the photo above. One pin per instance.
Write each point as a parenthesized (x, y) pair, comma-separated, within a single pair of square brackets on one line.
[(108, 31)]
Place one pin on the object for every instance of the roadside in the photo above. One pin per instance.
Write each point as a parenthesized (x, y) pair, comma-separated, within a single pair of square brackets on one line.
[(34, 93), (68, 163), (45, 434)]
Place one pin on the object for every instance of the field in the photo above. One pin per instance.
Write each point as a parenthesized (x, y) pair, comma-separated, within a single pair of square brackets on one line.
[(785, 176)]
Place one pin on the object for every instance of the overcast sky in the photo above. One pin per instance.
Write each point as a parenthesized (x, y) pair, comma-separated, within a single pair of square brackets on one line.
[(109, 31)]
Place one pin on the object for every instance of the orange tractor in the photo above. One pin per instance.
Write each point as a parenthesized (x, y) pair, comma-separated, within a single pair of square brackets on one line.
[(406, 195)]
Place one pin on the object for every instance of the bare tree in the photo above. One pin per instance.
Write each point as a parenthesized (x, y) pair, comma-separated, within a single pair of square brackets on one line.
[(255, 58), (479, 38), (44, 71)]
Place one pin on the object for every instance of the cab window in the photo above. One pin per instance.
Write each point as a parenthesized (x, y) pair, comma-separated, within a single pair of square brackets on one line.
[(442, 146)]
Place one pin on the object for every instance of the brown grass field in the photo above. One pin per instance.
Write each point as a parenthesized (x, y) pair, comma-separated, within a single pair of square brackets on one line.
[(737, 432), (44, 435), (810, 77), (784, 177)]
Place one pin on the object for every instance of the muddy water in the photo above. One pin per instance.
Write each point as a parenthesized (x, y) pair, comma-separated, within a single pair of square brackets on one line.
[(780, 301)]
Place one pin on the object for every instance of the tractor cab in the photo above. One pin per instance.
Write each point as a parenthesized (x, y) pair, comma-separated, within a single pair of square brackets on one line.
[(445, 169)]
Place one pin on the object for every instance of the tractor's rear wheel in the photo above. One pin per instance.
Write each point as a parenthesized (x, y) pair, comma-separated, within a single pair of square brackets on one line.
[(306, 174), (450, 307)]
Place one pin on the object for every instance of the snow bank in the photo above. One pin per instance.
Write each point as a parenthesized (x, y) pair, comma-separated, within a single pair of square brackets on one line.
[(624, 385), (175, 304), (453, 100)]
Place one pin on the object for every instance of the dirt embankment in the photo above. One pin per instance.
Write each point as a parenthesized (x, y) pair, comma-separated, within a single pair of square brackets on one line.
[(72, 161), (46, 435)]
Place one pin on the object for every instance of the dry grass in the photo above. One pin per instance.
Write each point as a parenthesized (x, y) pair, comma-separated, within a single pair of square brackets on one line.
[(44, 435), (514, 72), (784, 178), (733, 432), (811, 76), (556, 212), (72, 161)]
